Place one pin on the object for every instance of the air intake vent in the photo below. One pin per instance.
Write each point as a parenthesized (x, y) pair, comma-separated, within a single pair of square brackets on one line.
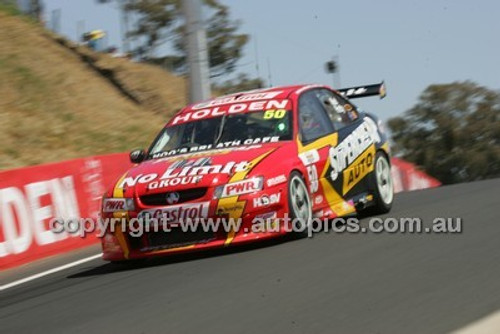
[(173, 197)]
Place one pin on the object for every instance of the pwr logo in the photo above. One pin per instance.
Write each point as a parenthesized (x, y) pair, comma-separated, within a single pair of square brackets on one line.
[(242, 187), (113, 204)]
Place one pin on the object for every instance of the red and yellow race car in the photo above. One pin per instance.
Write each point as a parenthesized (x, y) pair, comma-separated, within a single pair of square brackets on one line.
[(255, 159)]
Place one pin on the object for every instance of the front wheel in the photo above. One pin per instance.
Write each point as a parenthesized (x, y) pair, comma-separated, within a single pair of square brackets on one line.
[(299, 202), (383, 185)]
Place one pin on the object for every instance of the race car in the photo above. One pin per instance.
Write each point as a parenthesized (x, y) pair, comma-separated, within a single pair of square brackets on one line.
[(257, 159)]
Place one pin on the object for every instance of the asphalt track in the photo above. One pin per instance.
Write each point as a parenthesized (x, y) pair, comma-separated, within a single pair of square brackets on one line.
[(331, 283)]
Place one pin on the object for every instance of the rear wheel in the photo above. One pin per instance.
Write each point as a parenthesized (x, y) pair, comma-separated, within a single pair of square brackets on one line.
[(299, 202), (383, 186)]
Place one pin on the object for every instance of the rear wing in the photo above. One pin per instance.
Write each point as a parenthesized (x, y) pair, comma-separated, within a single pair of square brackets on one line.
[(364, 91)]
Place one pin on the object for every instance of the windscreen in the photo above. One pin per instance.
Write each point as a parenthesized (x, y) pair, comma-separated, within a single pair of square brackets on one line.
[(230, 130)]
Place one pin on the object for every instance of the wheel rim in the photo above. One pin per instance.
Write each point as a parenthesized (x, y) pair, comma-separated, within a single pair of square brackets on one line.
[(300, 200), (384, 180)]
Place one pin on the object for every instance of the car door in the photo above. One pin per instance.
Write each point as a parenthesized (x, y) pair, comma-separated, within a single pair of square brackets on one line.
[(353, 157), (325, 120), (316, 135)]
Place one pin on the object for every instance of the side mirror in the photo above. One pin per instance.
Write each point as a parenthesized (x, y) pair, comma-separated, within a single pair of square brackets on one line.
[(137, 156)]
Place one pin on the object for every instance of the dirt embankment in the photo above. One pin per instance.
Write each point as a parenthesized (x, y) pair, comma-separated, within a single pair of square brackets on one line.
[(60, 101)]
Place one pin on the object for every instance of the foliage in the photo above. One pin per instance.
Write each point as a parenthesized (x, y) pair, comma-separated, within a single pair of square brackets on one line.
[(9, 7), (160, 22), (225, 45), (453, 132), (154, 18), (240, 84), (36, 9)]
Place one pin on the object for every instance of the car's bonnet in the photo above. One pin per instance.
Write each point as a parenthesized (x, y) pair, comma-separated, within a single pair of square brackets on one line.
[(204, 169)]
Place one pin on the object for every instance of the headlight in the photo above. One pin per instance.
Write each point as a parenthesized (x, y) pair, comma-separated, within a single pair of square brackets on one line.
[(237, 188), (117, 204)]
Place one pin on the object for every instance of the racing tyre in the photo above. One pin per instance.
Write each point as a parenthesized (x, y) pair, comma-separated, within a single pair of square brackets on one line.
[(382, 185), (299, 203)]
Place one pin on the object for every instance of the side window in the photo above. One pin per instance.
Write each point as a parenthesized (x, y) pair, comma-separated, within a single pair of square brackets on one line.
[(340, 112), (313, 121)]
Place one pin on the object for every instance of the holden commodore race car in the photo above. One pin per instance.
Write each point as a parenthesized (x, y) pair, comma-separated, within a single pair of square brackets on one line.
[(303, 152)]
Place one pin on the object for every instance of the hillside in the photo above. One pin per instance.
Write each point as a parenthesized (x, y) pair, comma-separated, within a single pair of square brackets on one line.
[(59, 101)]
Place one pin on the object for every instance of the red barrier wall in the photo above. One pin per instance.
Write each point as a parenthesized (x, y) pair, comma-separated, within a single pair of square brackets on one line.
[(30, 197), (407, 177)]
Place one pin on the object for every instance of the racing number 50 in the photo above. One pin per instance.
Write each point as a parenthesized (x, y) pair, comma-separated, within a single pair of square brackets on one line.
[(312, 172), (272, 113)]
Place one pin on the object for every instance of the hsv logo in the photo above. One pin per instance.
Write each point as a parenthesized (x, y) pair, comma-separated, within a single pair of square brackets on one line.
[(113, 204), (266, 200), (242, 187)]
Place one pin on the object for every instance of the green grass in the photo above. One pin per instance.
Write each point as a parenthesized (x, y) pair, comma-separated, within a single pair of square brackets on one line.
[(23, 74), (9, 8)]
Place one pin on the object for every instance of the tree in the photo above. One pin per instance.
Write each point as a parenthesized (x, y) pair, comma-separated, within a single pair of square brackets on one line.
[(158, 22), (453, 132), (36, 9), (33, 8), (224, 44), (240, 84), (12, 3), (154, 20)]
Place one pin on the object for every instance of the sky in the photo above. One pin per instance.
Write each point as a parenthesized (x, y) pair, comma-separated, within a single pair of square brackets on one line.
[(409, 44)]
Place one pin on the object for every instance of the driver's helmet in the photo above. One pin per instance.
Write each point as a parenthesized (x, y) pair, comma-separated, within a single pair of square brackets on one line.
[(309, 122)]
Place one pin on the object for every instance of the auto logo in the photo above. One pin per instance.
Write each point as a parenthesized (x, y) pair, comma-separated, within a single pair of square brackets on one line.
[(173, 197)]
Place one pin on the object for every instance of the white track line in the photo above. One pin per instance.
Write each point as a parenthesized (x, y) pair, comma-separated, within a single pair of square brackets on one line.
[(48, 272), (487, 325)]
